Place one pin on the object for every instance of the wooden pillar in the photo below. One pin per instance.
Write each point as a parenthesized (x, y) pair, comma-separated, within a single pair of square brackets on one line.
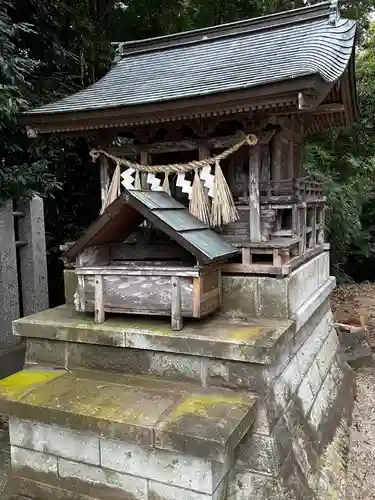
[(99, 301), (254, 198), (276, 158), (291, 159), (176, 321), (204, 153), (144, 160), (313, 227)]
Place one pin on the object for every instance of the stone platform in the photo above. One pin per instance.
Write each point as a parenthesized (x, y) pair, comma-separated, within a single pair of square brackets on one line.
[(289, 400)]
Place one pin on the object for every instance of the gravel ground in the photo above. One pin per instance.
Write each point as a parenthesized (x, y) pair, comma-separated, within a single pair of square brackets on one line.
[(4, 457), (361, 473)]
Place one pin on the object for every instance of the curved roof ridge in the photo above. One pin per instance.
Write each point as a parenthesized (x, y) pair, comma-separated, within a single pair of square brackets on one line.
[(235, 28), (285, 57)]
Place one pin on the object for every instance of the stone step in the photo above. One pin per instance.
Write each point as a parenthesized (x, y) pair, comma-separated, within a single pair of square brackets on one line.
[(251, 340), (205, 423)]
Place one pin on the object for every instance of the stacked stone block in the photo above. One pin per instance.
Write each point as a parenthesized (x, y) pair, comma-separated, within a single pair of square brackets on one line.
[(287, 355), (90, 465)]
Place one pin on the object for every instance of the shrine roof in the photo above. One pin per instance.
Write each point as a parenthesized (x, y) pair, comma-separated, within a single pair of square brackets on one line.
[(131, 208), (310, 45)]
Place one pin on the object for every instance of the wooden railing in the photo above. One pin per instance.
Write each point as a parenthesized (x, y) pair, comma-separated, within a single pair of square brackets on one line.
[(291, 189)]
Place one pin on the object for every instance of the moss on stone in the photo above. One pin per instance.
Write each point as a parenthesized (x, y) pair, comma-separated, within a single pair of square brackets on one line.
[(16, 385), (202, 405), (246, 333)]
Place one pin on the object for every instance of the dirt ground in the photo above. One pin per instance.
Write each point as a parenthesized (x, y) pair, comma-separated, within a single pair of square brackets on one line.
[(358, 301), (361, 473)]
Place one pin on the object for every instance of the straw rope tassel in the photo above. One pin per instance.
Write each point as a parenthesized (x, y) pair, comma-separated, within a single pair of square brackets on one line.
[(137, 183), (199, 204), (223, 210), (166, 184), (114, 189)]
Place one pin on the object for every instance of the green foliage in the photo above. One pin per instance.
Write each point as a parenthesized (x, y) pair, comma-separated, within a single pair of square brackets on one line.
[(345, 161), (20, 173)]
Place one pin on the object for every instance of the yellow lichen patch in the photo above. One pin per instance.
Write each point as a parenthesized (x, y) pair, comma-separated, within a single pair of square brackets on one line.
[(148, 328), (203, 404), (246, 333), (16, 385)]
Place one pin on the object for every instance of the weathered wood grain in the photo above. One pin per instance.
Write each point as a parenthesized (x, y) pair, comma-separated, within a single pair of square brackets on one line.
[(209, 282), (196, 297), (176, 317), (96, 255), (254, 205), (141, 293), (139, 270), (99, 299), (143, 251)]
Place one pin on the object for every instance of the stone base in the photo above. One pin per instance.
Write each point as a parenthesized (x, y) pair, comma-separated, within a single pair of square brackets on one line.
[(294, 447)]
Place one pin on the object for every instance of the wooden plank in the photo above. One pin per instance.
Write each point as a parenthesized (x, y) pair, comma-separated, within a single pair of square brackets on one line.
[(210, 295), (143, 251), (270, 244), (196, 297), (156, 271), (99, 302), (140, 293), (301, 259), (176, 319), (252, 269), (186, 145), (254, 207), (210, 305)]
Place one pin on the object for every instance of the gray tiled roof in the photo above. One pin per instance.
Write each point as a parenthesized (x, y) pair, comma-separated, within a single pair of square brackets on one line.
[(128, 211), (232, 57)]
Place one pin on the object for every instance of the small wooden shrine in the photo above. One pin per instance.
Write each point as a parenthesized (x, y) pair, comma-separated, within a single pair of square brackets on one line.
[(174, 273)]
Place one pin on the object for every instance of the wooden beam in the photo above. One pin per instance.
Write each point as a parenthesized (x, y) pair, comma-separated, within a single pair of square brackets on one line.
[(254, 206), (187, 145), (333, 107)]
